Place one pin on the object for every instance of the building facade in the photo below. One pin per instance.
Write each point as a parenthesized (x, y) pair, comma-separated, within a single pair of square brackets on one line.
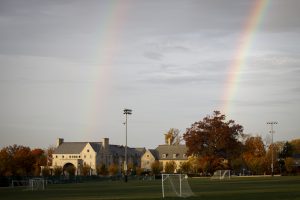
[(93, 154), (164, 154)]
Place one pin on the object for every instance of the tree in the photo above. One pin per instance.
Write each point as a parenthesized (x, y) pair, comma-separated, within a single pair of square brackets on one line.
[(5, 163), (295, 146), (214, 137), (289, 164), (185, 167), (102, 170), (194, 164), (113, 169), (273, 153), (57, 170), (254, 155), (46, 171), (85, 170), (49, 153), (287, 151), (170, 167), (138, 171), (255, 146), (40, 160), (19, 160), (172, 137), (156, 167)]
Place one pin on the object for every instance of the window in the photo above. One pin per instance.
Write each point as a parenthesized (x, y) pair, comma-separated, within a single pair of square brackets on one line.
[(88, 150), (184, 155), (164, 155), (147, 155), (63, 156), (56, 156), (174, 155)]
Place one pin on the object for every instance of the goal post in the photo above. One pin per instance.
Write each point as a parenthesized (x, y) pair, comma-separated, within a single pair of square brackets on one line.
[(37, 184), (221, 174), (175, 185)]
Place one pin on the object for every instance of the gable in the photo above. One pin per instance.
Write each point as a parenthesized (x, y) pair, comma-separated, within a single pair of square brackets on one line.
[(148, 155)]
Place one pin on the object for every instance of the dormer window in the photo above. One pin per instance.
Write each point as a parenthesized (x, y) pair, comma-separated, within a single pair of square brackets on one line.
[(184, 155), (164, 155), (174, 155)]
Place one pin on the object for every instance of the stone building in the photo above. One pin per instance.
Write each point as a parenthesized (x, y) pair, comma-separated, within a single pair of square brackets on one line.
[(94, 154), (164, 154)]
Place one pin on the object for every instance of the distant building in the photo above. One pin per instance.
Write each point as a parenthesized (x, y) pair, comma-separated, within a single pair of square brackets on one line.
[(164, 154), (94, 154)]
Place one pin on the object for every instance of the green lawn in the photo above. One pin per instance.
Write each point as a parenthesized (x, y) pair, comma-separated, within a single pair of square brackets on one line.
[(237, 188)]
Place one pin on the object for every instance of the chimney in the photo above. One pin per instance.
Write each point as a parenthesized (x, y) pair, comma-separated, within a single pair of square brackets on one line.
[(169, 141), (105, 143), (59, 141)]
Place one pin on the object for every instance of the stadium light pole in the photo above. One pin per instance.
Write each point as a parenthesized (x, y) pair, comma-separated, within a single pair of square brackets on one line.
[(272, 150), (126, 112)]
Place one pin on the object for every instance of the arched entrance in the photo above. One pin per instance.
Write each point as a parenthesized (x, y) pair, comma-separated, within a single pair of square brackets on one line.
[(69, 169)]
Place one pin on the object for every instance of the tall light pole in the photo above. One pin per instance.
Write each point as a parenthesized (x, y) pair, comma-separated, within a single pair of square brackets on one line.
[(126, 112), (272, 150)]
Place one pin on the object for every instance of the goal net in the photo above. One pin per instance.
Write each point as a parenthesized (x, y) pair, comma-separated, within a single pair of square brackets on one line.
[(175, 185), (221, 174), (37, 184)]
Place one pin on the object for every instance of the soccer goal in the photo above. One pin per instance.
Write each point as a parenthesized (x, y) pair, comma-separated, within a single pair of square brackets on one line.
[(175, 185), (37, 184), (221, 174), (19, 183)]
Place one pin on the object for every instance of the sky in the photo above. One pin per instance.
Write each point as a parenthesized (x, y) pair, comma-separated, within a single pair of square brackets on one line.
[(68, 68)]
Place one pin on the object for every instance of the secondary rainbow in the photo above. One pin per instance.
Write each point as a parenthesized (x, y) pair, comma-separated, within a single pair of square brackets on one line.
[(240, 57)]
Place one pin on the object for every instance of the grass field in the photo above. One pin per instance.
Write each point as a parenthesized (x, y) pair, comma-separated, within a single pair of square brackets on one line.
[(266, 188)]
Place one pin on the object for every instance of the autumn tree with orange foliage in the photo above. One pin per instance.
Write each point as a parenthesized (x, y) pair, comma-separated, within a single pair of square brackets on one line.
[(40, 160), (254, 155), (19, 160), (214, 138)]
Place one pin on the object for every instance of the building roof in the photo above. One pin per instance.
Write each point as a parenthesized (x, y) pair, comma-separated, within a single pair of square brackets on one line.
[(171, 152), (120, 150), (154, 153), (77, 147), (96, 146), (70, 148)]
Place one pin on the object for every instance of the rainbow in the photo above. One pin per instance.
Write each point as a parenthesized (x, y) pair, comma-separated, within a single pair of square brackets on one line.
[(240, 57), (110, 27)]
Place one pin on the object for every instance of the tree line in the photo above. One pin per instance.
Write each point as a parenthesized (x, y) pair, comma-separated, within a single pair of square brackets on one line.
[(213, 143), (216, 143), (18, 160)]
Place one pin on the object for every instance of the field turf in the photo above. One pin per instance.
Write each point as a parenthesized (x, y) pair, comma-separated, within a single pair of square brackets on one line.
[(254, 188)]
